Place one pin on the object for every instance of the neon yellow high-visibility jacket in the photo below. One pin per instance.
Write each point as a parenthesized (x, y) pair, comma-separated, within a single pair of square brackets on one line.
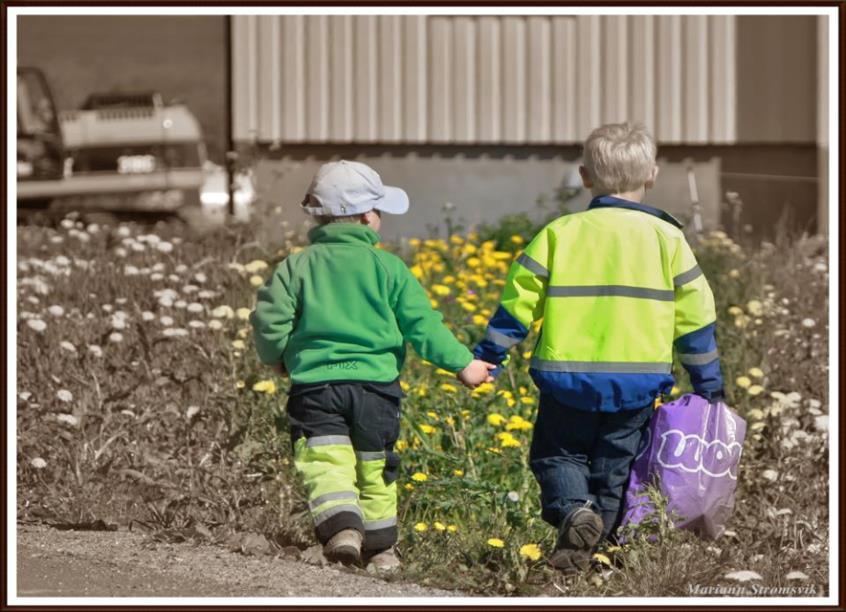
[(616, 286)]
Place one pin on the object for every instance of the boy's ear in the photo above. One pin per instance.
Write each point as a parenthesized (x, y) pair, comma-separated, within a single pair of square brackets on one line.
[(650, 182), (586, 180)]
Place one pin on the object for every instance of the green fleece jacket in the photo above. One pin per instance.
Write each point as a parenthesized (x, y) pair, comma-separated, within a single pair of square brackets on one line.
[(341, 309)]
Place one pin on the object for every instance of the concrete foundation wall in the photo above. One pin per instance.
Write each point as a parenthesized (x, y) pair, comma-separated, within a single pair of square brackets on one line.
[(473, 186)]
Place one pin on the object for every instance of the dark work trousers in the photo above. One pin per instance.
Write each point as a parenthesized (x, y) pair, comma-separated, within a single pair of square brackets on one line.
[(584, 457), (343, 435)]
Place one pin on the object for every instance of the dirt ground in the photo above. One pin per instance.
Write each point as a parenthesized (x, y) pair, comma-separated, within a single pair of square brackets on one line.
[(55, 563)]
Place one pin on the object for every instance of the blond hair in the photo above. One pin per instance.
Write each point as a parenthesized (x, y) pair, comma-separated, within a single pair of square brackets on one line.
[(619, 157)]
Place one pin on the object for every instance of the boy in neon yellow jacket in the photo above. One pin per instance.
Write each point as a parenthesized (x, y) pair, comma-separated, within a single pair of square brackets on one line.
[(617, 287)]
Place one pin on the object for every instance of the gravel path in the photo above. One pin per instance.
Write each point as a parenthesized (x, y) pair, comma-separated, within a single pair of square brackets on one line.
[(54, 563)]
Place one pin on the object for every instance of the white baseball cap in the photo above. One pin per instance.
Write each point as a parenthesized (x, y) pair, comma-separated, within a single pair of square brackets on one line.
[(345, 188)]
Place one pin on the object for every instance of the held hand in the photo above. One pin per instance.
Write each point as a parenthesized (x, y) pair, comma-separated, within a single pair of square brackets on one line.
[(279, 370), (476, 373)]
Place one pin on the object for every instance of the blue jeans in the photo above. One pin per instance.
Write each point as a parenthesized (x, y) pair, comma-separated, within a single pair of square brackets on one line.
[(580, 457)]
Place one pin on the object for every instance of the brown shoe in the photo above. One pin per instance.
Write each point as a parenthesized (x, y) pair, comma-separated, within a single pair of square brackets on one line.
[(344, 547), (385, 562), (580, 532)]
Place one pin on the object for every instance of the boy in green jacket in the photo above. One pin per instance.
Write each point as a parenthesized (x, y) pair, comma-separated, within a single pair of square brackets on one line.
[(336, 317)]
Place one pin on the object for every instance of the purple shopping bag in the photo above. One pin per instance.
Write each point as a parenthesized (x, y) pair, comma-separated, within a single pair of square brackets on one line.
[(691, 452)]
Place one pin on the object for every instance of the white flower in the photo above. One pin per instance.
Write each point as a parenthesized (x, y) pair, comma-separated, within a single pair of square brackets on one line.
[(200, 277), (175, 332), (68, 419), (159, 267), (33, 300), (222, 312), (513, 496), (770, 475), (38, 463), (56, 310), (82, 236), (166, 301), (166, 321), (151, 238), (118, 322), (155, 276), (164, 247), (181, 268), (70, 348), (130, 271), (808, 322), (120, 301), (37, 325), (116, 337), (121, 252), (56, 239), (92, 228), (147, 315), (195, 307), (123, 231), (190, 289), (173, 278), (215, 324), (24, 395), (821, 422), (194, 324), (61, 260), (138, 247), (107, 307), (67, 224), (743, 576), (180, 304), (95, 350), (64, 395), (206, 294), (191, 412)]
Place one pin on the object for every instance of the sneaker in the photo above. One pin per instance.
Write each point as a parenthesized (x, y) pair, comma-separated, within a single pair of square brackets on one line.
[(344, 546), (385, 562), (579, 534)]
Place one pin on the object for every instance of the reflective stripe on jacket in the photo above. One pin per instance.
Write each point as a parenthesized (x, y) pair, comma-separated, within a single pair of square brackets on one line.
[(616, 287)]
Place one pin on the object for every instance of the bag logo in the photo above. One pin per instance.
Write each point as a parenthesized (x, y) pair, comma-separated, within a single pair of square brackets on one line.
[(693, 454)]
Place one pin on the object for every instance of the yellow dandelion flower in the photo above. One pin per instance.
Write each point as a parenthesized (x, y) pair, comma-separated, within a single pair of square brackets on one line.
[(756, 414), (675, 390), (243, 314), (494, 450), (441, 290), (755, 390), (495, 419), (603, 559), (449, 421), (442, 372), (479, 320), (458, 473), (433, 415), (265, 386), (404, 386), (439, 526), (743, 382), (257, 265), (434, 304), (448, 388), (735, 311), (474, 262), (483, 389), (469, 307), (421, 527), (756, 372), (414, 242), (240, 384), (527, 355), (427, 429), (417, 271), (530, 551), (408, 486), (419, 477), (238, 345), (256, 280), (527, 400), (517, 239), (400, 445), (495, 543), (452, 528)]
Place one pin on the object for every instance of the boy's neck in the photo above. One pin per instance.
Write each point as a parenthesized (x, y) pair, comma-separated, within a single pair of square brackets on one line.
[(632, 196)]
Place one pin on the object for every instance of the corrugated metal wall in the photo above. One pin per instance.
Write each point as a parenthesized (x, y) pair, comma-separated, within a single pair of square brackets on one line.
[(486, 80)]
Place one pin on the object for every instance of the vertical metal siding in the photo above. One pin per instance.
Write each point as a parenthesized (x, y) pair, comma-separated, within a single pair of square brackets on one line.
[(488, 79)]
